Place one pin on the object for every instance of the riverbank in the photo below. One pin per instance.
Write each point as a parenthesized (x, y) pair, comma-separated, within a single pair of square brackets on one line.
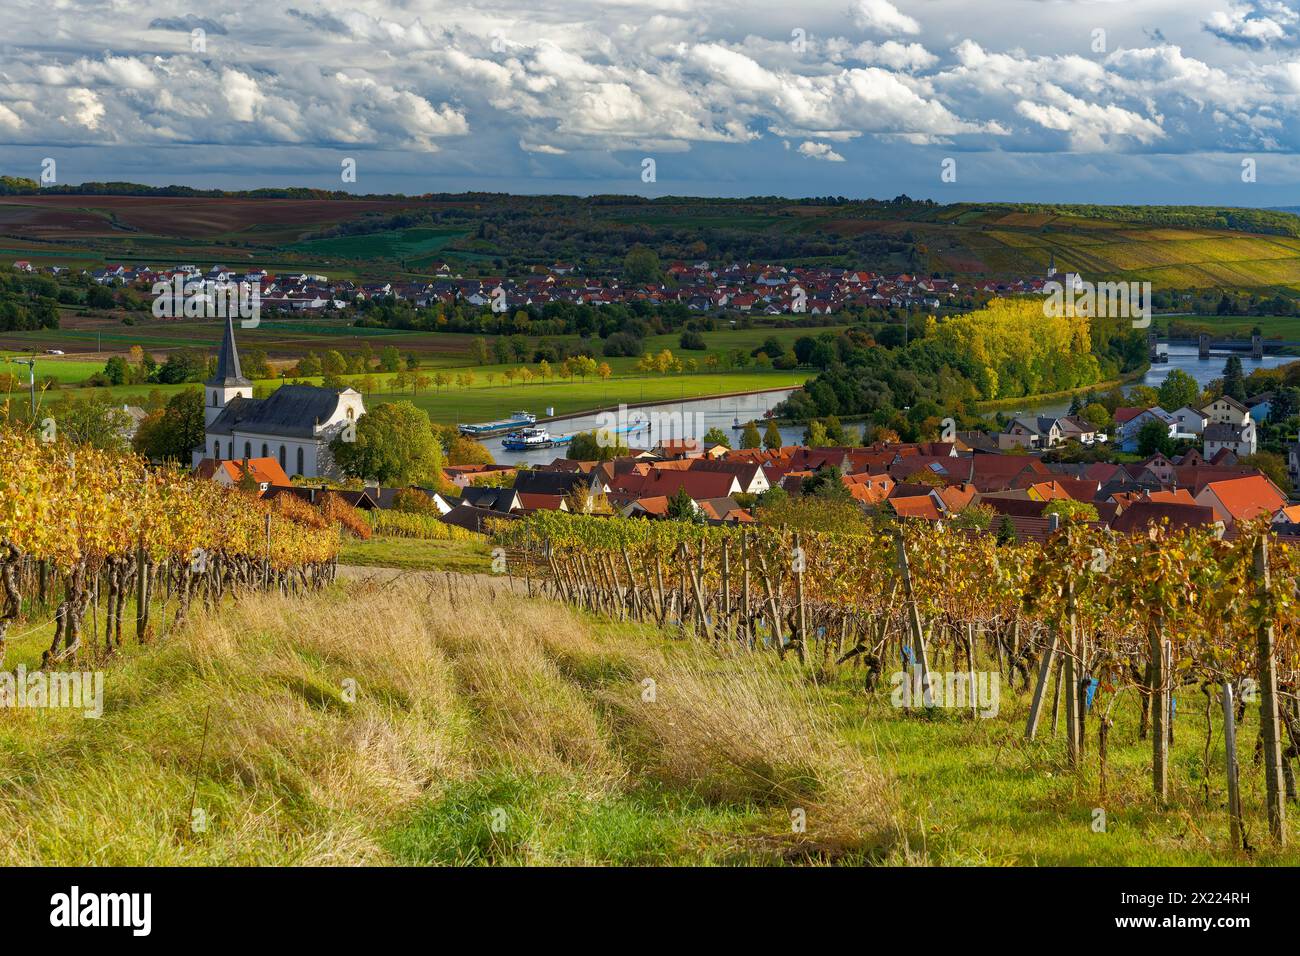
[(1043, 398)]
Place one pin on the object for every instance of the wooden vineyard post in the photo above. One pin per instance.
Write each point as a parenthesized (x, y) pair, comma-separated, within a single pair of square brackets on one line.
[(919, 659), (1159, 713), (141, 590), (697, 589), (777, 637), (725, 592), (797, 564), (1070, 677), (746, 612), (659, 587), (1056, 694), (1040, 690), (681, 588), (633, 594), (1268, 709), (970, 668), (1230, 765)]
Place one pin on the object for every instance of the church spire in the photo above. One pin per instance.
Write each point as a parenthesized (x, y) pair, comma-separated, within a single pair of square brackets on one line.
[(228, 371)]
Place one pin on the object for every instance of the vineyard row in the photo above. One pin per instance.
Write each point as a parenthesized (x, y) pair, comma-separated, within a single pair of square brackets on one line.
[(1107, 614)]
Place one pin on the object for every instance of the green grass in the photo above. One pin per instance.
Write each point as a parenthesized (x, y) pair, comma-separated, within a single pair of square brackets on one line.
[(393, 244), (484, 402), (977, 793), (413, 554), (1285, 327), (489, 729)]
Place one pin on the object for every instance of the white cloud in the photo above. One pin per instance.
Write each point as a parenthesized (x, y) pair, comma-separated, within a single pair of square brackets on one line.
[(819, 151), (895, 55), (583, 80), (883, 17), (1256, 25), (242, 95)]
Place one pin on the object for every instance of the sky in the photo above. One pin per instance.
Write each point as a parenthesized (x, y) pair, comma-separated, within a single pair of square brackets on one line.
[(1117, 101)]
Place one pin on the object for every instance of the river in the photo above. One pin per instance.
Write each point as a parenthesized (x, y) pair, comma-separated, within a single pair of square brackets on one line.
[(688, 419), (1185, 357)]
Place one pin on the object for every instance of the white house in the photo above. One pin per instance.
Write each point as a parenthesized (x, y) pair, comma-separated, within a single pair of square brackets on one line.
[(1191, 421), (1227, 411), (295, 425)]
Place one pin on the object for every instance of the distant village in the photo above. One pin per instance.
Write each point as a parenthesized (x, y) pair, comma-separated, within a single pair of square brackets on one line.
[(701, 287)]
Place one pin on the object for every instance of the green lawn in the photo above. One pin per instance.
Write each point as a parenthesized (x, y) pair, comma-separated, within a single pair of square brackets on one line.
[(483, 403), (1286, 327), (413, 554)]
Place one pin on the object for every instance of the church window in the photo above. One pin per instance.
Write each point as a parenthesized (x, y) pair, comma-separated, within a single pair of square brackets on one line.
[(300, 468)]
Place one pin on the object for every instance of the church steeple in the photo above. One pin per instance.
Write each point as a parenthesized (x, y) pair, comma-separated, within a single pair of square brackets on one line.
[(228, 371), (228, 381)]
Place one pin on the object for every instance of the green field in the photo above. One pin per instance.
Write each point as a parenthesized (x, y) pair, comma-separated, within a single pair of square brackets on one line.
[(484, 403), (1284, 327), (488, 397), (414, 554), (397, 244)]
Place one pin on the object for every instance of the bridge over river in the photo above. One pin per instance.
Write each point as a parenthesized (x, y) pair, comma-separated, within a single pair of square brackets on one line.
[(1206, 345)]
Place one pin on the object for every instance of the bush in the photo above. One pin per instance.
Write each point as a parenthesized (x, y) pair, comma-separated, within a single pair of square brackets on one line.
[(693, 340), (414, 501), (426, 527), (337, 511), (623, 344)]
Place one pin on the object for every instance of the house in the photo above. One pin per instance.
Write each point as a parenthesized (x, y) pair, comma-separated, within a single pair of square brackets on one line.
[(1191, 422), (1261, 406), (498, 500), (229, 473), (1293, 461), (915, 506), (750, 475), (470, 518), (560, 483), (1226, 410), (1241, 499), (1128, 431), (1027, 432), (678, 448), (1074, 428), (295, 424), (1237, 439), (1139, 517)]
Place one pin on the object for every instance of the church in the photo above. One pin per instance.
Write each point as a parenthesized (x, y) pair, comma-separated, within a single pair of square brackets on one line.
[(294, 425)]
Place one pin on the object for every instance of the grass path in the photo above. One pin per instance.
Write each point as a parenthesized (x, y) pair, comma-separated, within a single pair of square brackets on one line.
[(384, 723)]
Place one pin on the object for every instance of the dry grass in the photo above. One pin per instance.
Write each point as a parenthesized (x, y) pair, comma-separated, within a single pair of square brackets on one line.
[(745, 730), (461, 705)]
